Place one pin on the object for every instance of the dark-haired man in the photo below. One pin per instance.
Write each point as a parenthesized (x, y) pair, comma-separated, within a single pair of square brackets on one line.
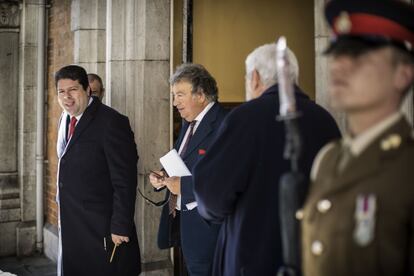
[(97, 178), (195, 96), (359, 216)]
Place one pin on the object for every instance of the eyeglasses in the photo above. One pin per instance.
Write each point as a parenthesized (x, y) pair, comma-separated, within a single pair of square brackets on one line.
[(147, 199)]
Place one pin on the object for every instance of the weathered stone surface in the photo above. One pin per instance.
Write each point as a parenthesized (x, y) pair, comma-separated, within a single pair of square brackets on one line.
[(142, 27), (7, 215), (138, 71), (8, 104), (89, 46), (9, 14), (321, 27), (321, 70), (27, 109), (8, 238), (25, 238), (88, 15), (51, 241)]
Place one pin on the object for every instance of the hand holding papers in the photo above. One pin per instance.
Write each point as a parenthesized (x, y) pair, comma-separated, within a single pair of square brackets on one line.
[(174, 165)]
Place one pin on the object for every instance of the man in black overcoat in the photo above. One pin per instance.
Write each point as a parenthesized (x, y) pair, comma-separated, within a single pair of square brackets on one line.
[(97, 178), (236, 182)]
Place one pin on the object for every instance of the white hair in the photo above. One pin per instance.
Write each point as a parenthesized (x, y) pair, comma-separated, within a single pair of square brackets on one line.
[(263, 60)]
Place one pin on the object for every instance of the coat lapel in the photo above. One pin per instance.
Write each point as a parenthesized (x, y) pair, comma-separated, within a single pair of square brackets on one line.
[(203, 130), (85, 120)]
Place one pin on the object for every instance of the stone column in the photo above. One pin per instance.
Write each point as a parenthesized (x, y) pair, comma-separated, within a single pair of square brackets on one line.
[(322, 76), (9, 187), (321, 63), (88, 24), (138, 48), (28, 48)]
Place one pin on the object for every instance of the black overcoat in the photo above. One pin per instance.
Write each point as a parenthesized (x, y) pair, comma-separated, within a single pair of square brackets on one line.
[(97, 188), (237, 181)]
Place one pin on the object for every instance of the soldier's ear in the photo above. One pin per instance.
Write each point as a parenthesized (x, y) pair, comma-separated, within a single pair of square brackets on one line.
[(404, 76)]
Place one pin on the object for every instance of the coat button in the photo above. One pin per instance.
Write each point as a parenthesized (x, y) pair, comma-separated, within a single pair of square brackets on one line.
[(324, 205), (60, 185), (317, 248), (299, 214)]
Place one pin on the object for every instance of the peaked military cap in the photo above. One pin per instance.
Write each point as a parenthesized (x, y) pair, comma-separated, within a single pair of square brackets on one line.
[(360, 25)]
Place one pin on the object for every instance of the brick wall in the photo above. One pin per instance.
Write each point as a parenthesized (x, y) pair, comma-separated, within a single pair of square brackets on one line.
[(60, 53)]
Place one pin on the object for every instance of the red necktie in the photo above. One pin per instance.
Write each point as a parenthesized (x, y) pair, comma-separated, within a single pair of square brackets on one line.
[(173, 198), (72, 125)]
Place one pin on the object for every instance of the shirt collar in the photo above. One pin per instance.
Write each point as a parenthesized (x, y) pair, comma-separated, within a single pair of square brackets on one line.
[(80, 115), (203, 113), (359, 143)]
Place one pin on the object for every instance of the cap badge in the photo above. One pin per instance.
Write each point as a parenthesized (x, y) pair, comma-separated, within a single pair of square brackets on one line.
[(343, 24)]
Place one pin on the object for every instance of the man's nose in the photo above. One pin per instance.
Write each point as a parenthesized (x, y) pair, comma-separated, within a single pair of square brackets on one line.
[(340, 64)]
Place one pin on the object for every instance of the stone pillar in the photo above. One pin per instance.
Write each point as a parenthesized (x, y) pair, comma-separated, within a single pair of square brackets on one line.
[(28, 48), (88, 24), (321, 63), (138, 49), (9, 187), (322, 76)]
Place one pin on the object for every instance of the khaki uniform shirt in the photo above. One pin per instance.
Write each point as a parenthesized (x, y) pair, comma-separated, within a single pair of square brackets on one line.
[(360, 220)]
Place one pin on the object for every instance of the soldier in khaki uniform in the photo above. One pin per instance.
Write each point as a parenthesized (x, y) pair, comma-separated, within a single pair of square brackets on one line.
[(359, 215)]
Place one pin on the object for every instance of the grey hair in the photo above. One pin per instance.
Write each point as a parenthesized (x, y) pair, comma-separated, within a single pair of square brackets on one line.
[(263, 59), (200, 79)]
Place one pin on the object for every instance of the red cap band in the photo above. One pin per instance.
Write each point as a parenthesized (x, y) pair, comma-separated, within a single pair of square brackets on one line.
[(367, 24)]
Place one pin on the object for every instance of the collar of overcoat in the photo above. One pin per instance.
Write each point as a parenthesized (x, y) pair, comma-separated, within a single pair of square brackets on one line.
[(203, 130), (87, 117)]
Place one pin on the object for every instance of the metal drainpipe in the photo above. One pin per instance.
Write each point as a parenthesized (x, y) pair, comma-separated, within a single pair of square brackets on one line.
[(40, 126)]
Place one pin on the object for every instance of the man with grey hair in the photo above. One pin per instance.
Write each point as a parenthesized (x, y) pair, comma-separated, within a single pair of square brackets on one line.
[(236, 183), (195, 95), (261, 72)]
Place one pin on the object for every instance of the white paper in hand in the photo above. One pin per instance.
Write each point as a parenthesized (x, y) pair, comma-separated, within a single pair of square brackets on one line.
[(174, 165)]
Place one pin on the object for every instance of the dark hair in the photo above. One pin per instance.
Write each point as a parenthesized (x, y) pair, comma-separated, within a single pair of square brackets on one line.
[(200, 79), (73, 72), (92, 77)]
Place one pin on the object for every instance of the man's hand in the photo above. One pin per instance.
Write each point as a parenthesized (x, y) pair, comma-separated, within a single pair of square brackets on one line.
[(119, 239), (173, 184), (155, 179)]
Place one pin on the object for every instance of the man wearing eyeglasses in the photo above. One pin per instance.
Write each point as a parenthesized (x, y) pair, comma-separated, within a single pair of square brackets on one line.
[(195, 96), (97, 178)]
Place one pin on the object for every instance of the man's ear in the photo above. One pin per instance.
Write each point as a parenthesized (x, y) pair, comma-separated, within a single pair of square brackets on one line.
[(202, 97), (256, 81), (404, 76), (88, 91)]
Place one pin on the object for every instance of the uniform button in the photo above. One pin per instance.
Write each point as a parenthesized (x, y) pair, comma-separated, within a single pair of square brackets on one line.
[(317, 248), (324, 205), (299, 214)]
